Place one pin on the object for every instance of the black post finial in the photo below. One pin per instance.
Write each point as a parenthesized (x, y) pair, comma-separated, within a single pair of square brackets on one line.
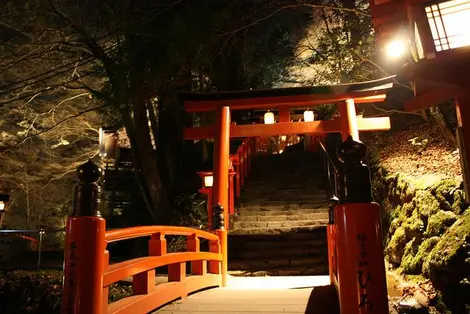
[(354, 183), (87, 193), (218, 219)]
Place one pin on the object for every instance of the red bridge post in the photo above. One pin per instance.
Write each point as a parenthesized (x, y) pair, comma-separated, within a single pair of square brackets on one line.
[(361, 278), (85, 247)]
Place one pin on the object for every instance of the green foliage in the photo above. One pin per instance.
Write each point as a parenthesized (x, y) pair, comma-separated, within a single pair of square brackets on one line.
[(342, 48), (190, 210), (40, 292)]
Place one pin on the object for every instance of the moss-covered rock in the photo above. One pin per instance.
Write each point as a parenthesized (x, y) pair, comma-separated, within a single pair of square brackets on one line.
[(409, 255), (448, 264), (459, 203), (426, 203), (427, 231), (439, 222), (396, 246), (413, 258), (450, 246)]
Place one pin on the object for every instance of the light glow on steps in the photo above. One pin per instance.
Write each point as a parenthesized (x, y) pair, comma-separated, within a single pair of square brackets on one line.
[(276, 282)]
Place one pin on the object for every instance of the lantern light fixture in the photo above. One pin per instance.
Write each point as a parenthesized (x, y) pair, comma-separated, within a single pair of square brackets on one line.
[(4, 199), (269, 117), (447, 21), (283, 138), (102, 143), (309, 116), (396, 48), (208, 181)]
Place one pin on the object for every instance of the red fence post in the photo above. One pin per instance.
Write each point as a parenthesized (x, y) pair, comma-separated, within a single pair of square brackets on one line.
[(361, 274), (85, 247)]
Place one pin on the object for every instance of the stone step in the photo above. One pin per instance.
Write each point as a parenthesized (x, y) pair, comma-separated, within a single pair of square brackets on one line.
[(284, 203), (297, 251), (236, 245), (278, 224), (299, 236), (286, 180), (280, 230), (320, 269), (274, 197), (306, 192), (245, 209), (290, 216), (260, 265)]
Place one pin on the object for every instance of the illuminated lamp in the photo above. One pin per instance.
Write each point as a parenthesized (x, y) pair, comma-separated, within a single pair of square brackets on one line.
[(308, 116), (396, 48), (208, 181), (283, 138), (4, 199), (107, 143), (448, 21), (269, 118)]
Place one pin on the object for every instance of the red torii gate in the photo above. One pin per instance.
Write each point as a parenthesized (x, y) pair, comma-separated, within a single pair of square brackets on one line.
[(283, 99), (356, 226)]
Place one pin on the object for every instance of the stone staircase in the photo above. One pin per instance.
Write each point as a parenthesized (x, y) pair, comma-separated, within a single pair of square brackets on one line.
[(280, 226)]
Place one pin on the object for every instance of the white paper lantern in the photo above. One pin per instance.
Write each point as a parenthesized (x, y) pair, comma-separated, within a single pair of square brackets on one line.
[(308, 116), (269, 118)]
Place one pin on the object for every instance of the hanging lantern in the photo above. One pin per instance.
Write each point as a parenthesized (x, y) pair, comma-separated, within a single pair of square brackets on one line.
[(269, 118), (283, 138), (308, 116)]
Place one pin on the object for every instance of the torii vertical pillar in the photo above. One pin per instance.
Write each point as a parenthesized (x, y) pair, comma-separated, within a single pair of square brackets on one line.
[(221, 157), (347, 113)]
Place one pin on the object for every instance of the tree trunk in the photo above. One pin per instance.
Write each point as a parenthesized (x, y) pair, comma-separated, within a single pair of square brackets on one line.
[(148, 158), (170, 140), (28, 205), (440, 120)]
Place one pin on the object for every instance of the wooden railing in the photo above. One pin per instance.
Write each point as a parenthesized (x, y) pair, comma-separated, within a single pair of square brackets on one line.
[(206, 268), (88, 272)]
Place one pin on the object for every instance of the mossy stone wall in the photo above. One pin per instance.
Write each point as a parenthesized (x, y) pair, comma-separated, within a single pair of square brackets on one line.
[(427, 232)]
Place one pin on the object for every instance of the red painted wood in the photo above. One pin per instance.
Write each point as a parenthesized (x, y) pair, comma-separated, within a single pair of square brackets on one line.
[(84, 265), (325, 126), (288, 101), (362, 283), (221, 157)]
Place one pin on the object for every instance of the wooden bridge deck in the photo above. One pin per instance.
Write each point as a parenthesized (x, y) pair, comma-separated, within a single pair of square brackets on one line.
[(249, 295)]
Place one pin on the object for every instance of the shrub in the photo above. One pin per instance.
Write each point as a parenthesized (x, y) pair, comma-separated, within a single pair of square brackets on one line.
[(30, 292)]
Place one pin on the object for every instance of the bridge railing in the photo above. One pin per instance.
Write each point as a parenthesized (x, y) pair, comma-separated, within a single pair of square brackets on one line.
[(205, 270), (88, 272)]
